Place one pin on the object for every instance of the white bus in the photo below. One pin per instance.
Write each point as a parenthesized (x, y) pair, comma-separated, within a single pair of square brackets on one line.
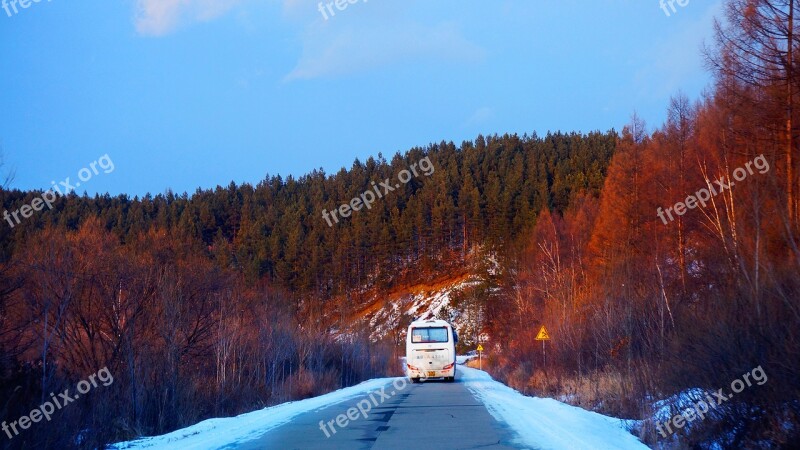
[(431, 350)]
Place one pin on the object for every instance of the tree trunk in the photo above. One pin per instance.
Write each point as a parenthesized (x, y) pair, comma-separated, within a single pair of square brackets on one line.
[(791, 210)]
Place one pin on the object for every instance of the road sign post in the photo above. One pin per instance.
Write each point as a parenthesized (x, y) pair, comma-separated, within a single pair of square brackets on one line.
[(543, 336), (480, 362)]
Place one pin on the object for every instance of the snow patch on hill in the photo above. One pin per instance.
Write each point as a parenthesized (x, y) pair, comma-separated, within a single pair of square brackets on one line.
[(457, 299), (433, 304)]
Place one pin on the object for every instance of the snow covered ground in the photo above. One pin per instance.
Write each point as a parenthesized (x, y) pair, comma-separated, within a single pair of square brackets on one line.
[(424, 305), (218, 433), (545, 423), (539, 422)]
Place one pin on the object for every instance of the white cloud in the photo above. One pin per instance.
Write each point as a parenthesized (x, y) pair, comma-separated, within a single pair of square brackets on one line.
[(480, 116), (365, 36), (160, 17), (328, 51)]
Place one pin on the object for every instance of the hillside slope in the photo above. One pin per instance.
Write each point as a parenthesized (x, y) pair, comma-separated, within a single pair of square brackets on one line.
[(457, 296)]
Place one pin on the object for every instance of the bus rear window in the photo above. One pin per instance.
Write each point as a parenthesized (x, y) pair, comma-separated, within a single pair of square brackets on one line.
[(428, 335)]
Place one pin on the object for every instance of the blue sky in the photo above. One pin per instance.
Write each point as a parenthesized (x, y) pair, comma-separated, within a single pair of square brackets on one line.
[(197, 93)]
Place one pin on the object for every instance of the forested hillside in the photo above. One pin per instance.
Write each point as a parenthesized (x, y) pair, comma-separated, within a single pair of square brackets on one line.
[(486, 192), (223, 301)]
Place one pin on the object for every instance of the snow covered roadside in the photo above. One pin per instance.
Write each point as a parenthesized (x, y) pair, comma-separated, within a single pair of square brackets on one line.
[(218, 433), (545, 423), (541, 423), (463, 359)]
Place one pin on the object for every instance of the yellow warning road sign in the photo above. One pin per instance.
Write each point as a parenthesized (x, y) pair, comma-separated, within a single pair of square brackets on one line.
[(480, 348), (543, 336)]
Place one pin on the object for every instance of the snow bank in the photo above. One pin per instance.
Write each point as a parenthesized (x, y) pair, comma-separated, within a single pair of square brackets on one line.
[(545, 423), (217, 433)]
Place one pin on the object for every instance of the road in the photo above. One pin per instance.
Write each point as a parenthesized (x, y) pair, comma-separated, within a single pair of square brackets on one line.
[(433, 414), (388, 413)]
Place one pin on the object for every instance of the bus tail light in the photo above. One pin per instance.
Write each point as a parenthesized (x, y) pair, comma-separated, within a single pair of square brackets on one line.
[(449, 366), (412, 367)]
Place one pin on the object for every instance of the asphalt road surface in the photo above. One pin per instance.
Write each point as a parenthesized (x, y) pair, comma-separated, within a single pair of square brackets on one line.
[(434, 414)]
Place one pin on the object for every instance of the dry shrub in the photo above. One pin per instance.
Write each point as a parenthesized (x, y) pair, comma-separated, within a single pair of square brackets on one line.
[(606, 391), (326, 382), (303, 385)]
